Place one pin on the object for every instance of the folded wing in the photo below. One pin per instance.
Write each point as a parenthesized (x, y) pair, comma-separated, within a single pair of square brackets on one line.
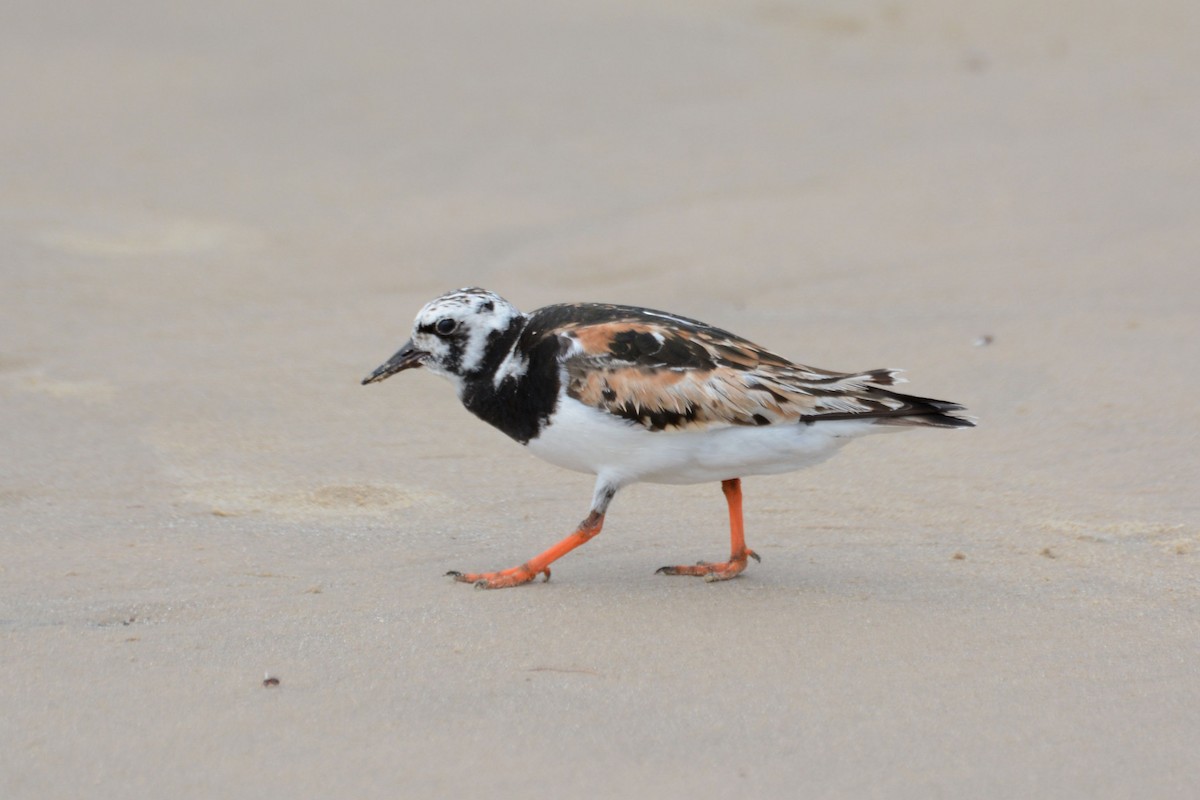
[(664, 372)]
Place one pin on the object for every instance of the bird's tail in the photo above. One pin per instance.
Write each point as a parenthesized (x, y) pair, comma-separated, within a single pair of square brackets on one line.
[(926, 412)]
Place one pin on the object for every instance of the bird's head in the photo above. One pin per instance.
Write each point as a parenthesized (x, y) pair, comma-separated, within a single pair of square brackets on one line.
[(450, 334)]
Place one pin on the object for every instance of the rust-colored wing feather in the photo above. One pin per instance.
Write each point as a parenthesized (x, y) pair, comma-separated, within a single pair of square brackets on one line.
[(664, 371)]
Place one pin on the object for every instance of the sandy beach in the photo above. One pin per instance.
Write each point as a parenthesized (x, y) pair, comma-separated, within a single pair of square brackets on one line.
[(216, 218)]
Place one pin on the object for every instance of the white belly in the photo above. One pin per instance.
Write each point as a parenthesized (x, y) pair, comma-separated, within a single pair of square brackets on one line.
[(584, 439)]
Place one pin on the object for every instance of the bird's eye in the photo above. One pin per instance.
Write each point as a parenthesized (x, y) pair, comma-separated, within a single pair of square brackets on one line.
[(445, 326)]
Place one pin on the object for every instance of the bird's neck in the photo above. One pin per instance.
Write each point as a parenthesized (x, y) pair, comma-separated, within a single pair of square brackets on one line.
[(515, 388)]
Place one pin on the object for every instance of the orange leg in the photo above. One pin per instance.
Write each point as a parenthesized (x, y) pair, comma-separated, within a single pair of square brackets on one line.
[(538, 564), (738, 552)]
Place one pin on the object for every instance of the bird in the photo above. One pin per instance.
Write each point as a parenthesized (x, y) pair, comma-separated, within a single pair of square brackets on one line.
[(632, 394)]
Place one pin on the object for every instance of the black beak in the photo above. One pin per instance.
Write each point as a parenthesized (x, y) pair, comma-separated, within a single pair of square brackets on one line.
[(406, 357)]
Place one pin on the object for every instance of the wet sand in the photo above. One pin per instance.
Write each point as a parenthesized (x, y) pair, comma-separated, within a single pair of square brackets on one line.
[(214, 220)]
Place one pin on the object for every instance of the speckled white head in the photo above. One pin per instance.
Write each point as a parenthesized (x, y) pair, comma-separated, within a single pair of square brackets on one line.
[(451, 333)]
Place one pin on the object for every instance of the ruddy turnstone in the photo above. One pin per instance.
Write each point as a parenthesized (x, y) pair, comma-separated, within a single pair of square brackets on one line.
[(631, 394)]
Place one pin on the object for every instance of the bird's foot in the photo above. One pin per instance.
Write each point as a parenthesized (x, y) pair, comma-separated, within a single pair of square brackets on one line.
[(713, 571), (499, 580)]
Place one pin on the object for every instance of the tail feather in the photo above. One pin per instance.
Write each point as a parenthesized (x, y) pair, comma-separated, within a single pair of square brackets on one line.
[(834, 396), (925, 411), (931, 420)]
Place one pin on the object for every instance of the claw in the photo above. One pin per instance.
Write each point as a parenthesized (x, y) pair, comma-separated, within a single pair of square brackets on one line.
[(739, 554), (496, 580), (713, 571), (539, 564)]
